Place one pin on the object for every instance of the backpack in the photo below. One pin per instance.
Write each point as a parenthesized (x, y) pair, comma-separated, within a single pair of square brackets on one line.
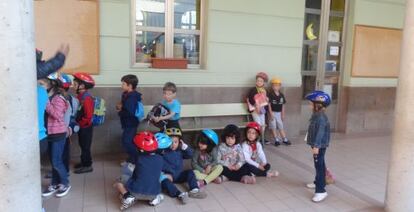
[(157, 111), (99, 109), (74, 108), (139, 113)]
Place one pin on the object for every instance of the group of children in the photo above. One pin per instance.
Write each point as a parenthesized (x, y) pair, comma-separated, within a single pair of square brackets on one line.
[(156, 162), (231, 159)]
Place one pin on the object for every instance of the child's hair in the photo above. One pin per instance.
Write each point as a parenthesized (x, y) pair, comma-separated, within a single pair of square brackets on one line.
[(170, 86), (55, 86), (318, 107), (231, 130), (204, 140), (130, 79)]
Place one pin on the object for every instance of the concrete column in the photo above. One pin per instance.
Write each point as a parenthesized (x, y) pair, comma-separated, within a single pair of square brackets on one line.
[(400, 187), (19, 144)]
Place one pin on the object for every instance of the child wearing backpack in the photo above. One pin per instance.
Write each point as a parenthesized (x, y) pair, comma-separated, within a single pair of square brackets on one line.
[(82, 83), (318, 138), (56, 129), (127, 113), (204, 162), (70, 116)]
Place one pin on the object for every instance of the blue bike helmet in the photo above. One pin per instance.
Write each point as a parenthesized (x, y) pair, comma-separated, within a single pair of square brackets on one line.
[(163, 140), (210, 134), (319, 97)]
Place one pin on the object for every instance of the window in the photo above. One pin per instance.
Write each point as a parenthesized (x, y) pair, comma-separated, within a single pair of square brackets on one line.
[(167, 29)]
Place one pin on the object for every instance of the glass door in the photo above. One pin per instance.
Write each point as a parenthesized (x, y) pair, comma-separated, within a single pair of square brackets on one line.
[(322, 49)]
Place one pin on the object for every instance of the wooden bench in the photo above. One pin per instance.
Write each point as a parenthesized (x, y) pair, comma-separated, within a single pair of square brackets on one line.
[(198, 111)]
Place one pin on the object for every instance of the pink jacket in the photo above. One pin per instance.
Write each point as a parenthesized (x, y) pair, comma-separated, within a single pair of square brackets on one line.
[(56, 109)]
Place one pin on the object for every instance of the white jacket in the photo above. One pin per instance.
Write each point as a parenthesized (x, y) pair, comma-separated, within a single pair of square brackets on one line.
[(254, 158)]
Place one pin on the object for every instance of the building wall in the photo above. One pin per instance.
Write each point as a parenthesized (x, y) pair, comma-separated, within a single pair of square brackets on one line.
[(368, 103), (242, 37)]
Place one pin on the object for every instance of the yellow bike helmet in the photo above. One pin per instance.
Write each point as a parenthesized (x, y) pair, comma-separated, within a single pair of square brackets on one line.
[(173, 132), (276, 81)]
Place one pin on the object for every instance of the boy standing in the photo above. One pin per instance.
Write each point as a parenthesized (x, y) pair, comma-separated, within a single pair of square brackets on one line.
[(277, 112), (82, 83), (170, 101), (126, 111)]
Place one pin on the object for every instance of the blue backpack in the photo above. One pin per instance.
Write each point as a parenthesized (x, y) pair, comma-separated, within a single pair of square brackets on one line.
[(139, 113)]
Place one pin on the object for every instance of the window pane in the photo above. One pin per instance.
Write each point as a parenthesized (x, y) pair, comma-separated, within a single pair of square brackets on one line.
[(150, 13), (331, 86), (187, 14), (335, 29), (312, 22), (313, 4), (338, 5), (333, 57), (187, 46), (149, 44), (309, 58), (309, 83)]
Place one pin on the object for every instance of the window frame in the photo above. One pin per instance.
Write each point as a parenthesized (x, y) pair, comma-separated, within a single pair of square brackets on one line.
[(169, 32)]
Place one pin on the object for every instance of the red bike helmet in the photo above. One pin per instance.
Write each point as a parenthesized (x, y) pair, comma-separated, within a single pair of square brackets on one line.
[(253, 125), (145, 141), (84, 77), (263, 76)]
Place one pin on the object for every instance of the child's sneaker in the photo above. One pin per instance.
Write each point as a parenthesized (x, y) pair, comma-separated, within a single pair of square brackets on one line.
[(197, 194), (286, 142), (183, 197), (157, 200), (84, 169), (266, 142), (272, 173), (50, 190), (311, 185), (319, 197), (63, 190), (127, 202), (246, 179)]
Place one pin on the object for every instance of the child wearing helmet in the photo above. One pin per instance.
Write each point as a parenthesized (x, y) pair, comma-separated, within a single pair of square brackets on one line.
[(173, 169), (230, 156), (56, 130), (254, 154), (277, 112), (204, 162), (144, 184), (257, 101), (82, 82), (126, 112), (318, 138)]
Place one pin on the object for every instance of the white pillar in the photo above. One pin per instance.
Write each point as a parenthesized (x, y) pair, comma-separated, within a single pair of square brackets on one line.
[(19, 145), (400, 187)]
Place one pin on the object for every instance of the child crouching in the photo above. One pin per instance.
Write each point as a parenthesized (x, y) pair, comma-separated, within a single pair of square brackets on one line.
[(173, 169), (144, 183), (230, 156), (254, 154), (205, 165)]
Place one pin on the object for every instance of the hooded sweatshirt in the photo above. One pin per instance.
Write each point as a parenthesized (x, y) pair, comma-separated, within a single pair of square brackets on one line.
[(129, 107)]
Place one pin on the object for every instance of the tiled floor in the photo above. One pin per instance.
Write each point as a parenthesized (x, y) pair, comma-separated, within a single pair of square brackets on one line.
[(358, 162)]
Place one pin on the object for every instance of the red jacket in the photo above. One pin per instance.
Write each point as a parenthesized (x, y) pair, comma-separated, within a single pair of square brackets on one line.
[(85, 114)]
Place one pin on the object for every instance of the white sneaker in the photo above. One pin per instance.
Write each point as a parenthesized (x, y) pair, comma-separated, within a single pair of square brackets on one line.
[(157, 200), (311, 185), (319, 197)]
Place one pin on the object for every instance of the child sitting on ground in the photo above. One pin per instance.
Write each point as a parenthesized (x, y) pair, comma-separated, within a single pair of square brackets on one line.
[(230, 156), (254, 154), (173, 169), (277, 112), (204, 160), (144, 183), (318, 138)]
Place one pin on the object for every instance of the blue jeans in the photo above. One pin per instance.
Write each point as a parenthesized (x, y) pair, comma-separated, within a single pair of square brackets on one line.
[(59, 172), (319, 161), (185, 176), (128, 135)]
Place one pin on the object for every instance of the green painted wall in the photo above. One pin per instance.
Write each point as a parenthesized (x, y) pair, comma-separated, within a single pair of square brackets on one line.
[(382, 13), (242, 37)]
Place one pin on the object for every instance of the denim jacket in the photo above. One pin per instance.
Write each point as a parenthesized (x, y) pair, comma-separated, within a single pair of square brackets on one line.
[(319, 131)]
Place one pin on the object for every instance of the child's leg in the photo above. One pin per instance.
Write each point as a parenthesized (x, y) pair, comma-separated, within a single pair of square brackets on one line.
[(85, 142), (199, 175), (120, 188), (215, 172), (256, 171), (171, 189), (319, 161), (235, 175), (59, 174), (189, 177), (128, 143), (66, 154)]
